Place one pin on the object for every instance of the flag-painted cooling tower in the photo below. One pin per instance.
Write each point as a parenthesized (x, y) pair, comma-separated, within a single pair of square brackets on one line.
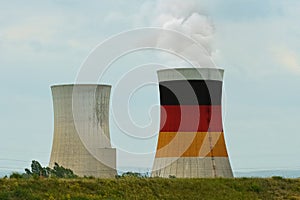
[(191, 139), (81, 138)]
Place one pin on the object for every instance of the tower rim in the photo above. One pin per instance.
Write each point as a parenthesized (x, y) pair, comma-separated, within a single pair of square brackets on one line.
[(80, 85), (172, 74), (190, 68)]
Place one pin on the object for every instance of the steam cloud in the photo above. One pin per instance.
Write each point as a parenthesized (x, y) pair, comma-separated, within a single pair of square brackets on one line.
[(185, 17)]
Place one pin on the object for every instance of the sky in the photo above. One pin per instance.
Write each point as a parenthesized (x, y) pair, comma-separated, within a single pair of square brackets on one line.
[(257, 42)]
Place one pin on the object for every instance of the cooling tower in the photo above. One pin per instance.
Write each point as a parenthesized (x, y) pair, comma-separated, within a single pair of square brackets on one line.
[(191, 140), (81, 140)]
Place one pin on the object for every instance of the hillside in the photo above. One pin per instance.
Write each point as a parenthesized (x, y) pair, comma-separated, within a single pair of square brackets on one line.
[(150, 188)]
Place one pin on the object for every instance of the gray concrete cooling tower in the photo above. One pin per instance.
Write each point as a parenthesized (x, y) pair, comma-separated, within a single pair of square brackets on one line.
[(81, 138)]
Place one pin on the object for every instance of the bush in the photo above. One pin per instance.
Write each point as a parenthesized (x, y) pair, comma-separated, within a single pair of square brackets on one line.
[(133, 174), (61, 172), (277, 177), (37, 171), (16, 175)]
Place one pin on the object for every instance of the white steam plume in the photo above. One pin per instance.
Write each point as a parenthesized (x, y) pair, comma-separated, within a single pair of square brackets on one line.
[(185, 17)]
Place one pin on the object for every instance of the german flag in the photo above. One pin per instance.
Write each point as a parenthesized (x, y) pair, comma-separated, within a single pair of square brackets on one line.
[(191, 114)]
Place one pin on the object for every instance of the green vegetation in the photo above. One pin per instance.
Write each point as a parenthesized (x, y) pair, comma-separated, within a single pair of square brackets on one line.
[(129, 187), (61, 183), (133, 175), (38, 171)]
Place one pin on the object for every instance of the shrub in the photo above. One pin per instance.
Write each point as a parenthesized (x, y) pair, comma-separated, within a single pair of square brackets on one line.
[(37, 171), (277, 177), (16, 175), (133, 174)]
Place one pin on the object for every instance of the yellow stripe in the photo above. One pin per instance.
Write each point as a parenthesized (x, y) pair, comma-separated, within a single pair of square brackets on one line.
[(191, 144)]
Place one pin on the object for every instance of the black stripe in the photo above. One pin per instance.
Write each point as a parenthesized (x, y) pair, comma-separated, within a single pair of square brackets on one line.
[(190, 92)]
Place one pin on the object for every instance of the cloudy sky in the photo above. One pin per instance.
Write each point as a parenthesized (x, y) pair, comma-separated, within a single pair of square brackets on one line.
[(257, 42)]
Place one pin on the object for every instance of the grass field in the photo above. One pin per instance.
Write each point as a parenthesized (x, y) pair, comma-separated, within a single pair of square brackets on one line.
[(150, 188)]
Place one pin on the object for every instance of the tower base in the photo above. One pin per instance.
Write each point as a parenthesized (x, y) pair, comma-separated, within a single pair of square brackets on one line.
[(192, 167)]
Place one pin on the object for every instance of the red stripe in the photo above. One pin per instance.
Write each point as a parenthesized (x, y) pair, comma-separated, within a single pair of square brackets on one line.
[(191, 118)]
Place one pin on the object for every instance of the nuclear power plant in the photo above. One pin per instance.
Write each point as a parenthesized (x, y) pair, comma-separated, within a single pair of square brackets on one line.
[(191, 140), (81, 140)]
